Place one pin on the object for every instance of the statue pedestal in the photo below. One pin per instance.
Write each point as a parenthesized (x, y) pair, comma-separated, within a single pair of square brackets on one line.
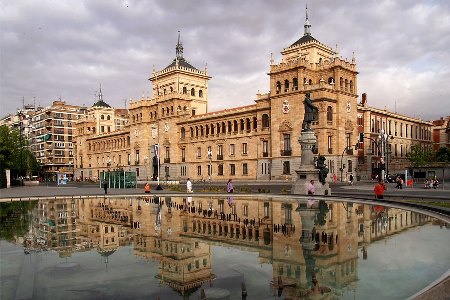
[(308, 171)]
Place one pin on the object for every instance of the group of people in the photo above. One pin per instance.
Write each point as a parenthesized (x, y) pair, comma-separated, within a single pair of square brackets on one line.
[(431, 183), (399, 181)]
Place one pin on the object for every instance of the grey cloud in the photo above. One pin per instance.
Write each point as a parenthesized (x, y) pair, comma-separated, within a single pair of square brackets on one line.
[(53, 48)]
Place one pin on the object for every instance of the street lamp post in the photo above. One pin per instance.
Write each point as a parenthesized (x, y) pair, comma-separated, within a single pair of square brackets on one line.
[(210, 166), (383, 138), (342, 158), (108, 163)]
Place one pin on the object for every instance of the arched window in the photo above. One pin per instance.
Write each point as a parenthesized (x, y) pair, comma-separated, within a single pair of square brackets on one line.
[(212, 128), (207, 130), (235, 123), (224, 129), (162, 110), (305, 81), (255, 123), (218, 128), (196, 131), (201, 130), (346, 85), (102, 117), (320, 61), (192, 92), (351, 86), (330, 114), (341, 83), (171, 89), (265, 121), (331, 80), (134, 119), (183, 132), (286, 85), (165, 92), (278, 87), (229, 127), (184, 90), (295, 84), (108, 117), (310, 82), (242, 125), (151, 115), (192, 132), (200, 93), (248, 125), (140, 116)]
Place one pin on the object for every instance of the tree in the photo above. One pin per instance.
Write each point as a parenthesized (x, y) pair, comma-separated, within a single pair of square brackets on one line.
[(420, 157), (443, 155), (15, 155)]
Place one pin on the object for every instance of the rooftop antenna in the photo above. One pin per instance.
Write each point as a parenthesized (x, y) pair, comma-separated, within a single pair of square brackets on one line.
[(125, 103)]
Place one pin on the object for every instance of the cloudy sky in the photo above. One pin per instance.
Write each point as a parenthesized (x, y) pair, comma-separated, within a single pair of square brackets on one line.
[(62, 48)]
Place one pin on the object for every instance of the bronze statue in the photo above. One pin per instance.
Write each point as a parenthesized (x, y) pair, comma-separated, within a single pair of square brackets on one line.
[(323, 170), (311, 113)]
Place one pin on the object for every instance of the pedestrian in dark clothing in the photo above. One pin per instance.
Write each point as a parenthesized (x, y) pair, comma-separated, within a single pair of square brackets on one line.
[(105, 186)]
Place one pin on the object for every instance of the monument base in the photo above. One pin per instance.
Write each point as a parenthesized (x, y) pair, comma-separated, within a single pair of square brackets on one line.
[(300, 186)]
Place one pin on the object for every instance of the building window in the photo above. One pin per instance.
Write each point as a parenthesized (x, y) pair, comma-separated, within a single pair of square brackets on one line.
[(199, 152), (286, 168), (395, 128), (232, 169), (330, 114), (330, 145), (137, 172), (137, 157), (192, 92), (129, 159), (244, 148), (231, 149), (348, 140), (183, 154), (184, 90), (350, 165), (266, 209), (199, 170), (286, 85), (390, 127), (287, 142), (183, 132), (288, 213), (220, 169), (265, 121), (265, 148), (246, 210), (244, 169)]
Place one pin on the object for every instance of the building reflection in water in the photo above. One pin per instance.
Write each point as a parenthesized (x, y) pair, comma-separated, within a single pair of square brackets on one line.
[(312, 246)]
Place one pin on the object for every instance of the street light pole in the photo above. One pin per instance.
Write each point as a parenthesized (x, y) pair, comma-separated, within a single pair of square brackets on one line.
[(210, 166)]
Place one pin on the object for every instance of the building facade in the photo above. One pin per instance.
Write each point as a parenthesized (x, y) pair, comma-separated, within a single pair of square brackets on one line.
[(388, 138), (258, 141), (52, 130)]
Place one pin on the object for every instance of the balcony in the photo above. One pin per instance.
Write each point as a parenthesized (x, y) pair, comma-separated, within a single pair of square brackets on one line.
[(167, 160), (330, 150), (286, 152), (265, 154), (183, 159), (349, 151), (219, 156)]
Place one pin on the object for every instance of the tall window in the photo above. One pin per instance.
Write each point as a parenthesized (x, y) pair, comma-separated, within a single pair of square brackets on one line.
[(220, 150), (192, 92), (137, 156), (199, 170), (330, 144), (390, 127), (183, 132), (231, 149), (265, 147), (220, 169), (183, 154), (129, 159), (244, 148), (348, 139), (232, 169), (288, 213), (330, 114), (199, 152), (167, 152), (265, 121), (287, 142), (244, 169)]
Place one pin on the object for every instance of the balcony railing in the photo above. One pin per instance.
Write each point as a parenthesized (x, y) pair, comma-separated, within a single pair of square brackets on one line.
[(167, 160), (219, 156), (183, 159), (286, 152), (330, 150), (265, 154)]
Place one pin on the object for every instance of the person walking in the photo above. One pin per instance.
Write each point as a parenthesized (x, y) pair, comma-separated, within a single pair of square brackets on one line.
[(105, 186), (189, 186), (379, 189), (229, 186), (351, 179), (147, 188), (311, 188)]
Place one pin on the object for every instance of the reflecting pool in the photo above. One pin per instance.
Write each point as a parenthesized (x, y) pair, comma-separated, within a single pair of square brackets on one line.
[(222, 247)]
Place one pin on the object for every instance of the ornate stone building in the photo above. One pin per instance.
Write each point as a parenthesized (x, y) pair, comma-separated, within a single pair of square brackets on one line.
[(258, 141)]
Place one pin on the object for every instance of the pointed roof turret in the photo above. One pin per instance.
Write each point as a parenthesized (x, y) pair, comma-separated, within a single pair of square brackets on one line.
[(307, 37), (179, 60), (100, 101)]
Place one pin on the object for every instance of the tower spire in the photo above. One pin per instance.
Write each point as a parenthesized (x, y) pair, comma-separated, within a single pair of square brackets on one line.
[(307, 24), (179, 48)]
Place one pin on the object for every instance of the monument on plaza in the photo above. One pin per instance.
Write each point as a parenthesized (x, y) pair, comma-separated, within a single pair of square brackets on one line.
[(308, 170)]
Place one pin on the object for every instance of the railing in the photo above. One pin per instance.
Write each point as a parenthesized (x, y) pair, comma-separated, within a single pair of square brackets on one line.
[(330, 150), (286, 152), (219, 156), (167, 160), (183, 159), (265, 154)]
